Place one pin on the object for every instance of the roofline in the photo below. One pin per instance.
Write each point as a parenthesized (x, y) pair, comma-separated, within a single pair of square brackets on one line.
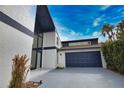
[(53, 23), (49, 17), (80, 40)]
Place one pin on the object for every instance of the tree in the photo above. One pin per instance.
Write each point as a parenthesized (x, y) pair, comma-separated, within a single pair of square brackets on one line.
[(114, 32), (120, 30), (108, 29)]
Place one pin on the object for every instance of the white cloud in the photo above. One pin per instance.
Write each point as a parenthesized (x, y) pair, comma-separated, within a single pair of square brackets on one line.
[(66, 33), (104, 7), (69, 34), (102, 39), (96, 21), (64, 38), (122, 12), (87, 30), (96, 34)]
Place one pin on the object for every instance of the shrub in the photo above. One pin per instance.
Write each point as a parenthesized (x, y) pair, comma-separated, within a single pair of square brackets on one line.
[(118, 55), (59, 67), (19, 71), (107, 52), (114, 55)]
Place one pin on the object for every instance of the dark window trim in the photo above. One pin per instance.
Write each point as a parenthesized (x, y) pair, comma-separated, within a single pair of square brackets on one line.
[(82, 40), (80, 48), (45, 48), (52, 47), (38, 48), (11, 22)]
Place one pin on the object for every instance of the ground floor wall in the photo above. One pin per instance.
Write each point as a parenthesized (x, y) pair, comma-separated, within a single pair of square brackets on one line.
[(49, 58), (12, 42), (61, 56)]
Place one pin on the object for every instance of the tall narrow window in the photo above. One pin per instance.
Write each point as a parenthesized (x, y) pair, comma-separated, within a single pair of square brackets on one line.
[(36, 60), (57, 41)]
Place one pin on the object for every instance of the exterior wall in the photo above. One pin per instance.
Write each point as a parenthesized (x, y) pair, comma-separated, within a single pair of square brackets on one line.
[(61, 59), (12, 41), (24, 14), (61, 56), (49, 56), (49, 39), (49, 59), (57, 39), (103, 60)]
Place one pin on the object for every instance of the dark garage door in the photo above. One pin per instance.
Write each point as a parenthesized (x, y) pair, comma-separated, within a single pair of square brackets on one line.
[(83, 59)]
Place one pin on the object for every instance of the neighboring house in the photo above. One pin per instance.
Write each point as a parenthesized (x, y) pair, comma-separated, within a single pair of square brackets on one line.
[(34, 34)]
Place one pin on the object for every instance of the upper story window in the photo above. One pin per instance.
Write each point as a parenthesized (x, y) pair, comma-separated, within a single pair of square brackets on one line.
[(84, 42), (38, 41), (80, 43)]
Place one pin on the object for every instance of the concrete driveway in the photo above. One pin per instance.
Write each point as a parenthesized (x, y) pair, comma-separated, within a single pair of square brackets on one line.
[(81, 78)]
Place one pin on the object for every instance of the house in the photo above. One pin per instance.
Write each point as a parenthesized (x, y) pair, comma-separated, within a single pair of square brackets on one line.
[(81, 53), (52, 52), (37, 37)]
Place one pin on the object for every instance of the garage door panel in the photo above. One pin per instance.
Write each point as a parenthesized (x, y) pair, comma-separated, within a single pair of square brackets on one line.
[(83, 59)]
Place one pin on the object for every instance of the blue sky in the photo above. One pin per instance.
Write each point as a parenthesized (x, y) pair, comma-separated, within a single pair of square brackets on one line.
[(84, 21)]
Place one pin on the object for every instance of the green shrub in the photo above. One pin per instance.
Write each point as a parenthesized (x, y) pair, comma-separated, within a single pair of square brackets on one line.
[(114, 55), (118, 55)]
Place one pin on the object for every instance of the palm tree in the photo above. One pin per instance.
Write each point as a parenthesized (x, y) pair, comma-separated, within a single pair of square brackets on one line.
[(120, 26), (120, 29), (107, 29)]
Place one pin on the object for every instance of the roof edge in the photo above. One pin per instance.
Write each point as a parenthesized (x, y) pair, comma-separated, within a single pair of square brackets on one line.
[(80, 40)]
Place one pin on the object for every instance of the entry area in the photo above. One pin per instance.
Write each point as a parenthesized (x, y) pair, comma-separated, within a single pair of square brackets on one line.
[(83, 59)]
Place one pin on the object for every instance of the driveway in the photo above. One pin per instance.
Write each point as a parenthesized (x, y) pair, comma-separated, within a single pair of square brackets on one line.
[(81, 78)]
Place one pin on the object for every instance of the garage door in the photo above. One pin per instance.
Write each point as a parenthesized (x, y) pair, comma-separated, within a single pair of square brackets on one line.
[(83, 59)]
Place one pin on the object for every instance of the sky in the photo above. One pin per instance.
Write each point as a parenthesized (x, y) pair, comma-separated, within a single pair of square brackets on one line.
[(84, 21)]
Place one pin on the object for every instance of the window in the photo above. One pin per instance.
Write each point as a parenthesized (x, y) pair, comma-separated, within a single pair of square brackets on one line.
[(80, 43), (57, 41)]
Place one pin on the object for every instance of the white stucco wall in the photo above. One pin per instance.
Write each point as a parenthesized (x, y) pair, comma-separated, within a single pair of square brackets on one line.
[(24, 14), (13, 41), (48, 39), (49, 58), (103, 60), (61, 56), (59, 45)]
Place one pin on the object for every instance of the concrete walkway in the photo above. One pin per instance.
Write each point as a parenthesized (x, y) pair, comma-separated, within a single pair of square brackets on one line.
[(81, 78)]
